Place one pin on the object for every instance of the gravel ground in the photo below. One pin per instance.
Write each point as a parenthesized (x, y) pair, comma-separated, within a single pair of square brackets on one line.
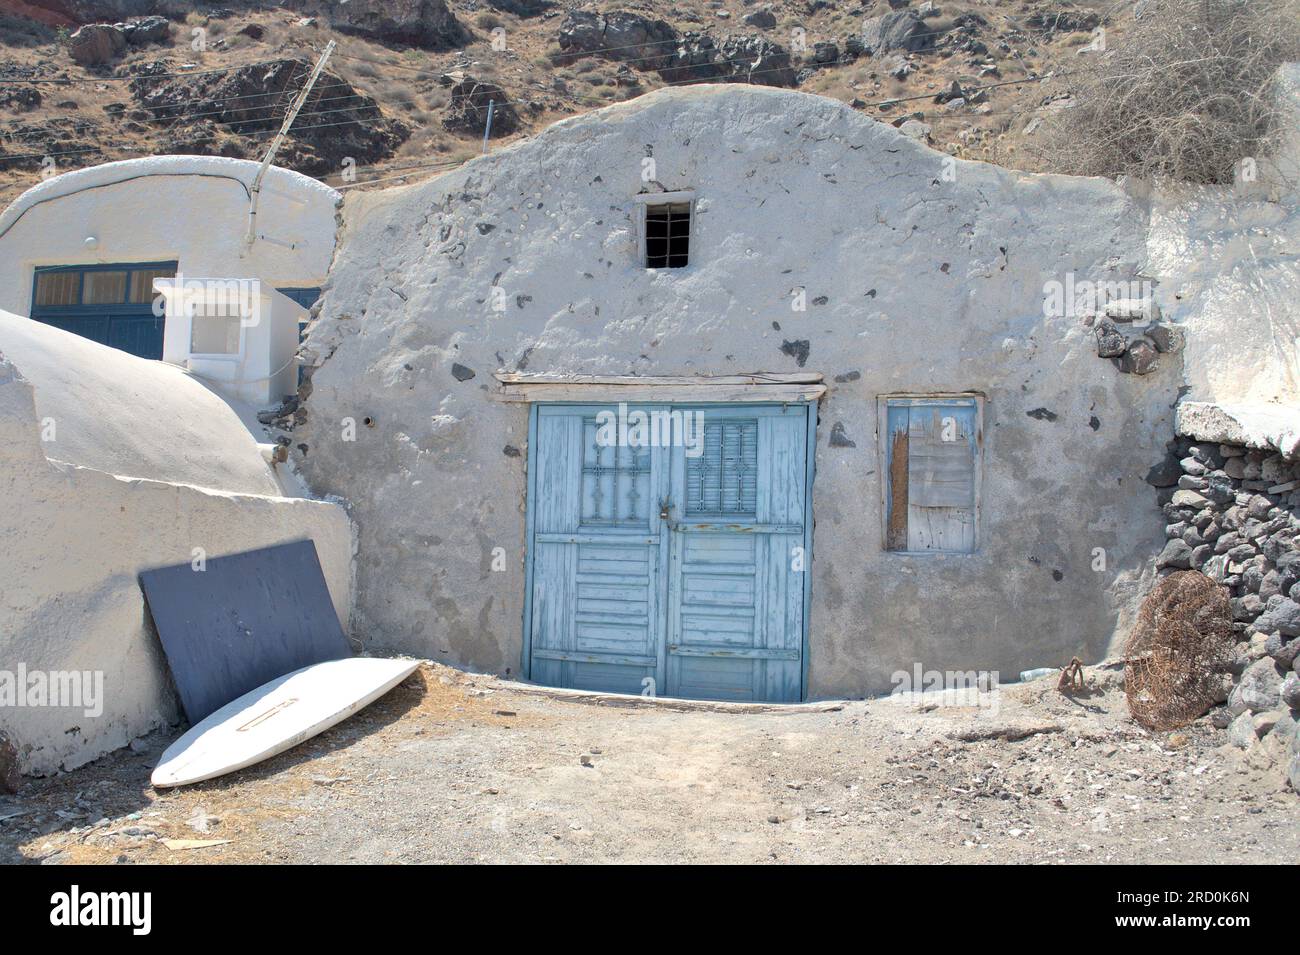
[(453, 767)]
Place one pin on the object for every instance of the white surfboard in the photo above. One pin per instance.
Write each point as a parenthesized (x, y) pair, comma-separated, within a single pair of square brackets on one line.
[(278, 716)]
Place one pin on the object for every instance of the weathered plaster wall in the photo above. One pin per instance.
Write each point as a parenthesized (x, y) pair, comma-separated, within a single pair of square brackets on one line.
[(914, 283), (76, 536)]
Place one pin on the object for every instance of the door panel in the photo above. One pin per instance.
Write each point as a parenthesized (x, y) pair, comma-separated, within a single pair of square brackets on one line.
[(663, 563), (595, 603), (140, 335), (735, 604)]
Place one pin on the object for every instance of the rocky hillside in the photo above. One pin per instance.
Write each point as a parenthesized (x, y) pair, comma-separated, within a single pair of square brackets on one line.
[(407, 91)]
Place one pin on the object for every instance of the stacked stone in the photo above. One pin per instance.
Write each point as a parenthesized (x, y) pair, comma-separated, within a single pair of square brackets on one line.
[(1234, 514), (1129, 333)]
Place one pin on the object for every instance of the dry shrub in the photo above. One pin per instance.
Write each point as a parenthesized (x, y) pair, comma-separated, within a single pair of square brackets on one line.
[(1178, 651), (1186, 94)]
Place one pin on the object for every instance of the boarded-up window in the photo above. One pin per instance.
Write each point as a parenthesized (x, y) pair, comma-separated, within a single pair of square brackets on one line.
[(931, 453)]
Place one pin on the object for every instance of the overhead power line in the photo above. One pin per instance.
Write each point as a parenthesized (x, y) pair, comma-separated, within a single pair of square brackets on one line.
[(66, 81)]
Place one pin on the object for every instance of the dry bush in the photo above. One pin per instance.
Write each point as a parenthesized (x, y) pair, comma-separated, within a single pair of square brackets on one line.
[(1186, 94), (1178, 650)]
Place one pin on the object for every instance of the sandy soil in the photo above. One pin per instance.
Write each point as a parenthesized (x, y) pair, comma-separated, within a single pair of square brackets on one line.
[(453, 767)]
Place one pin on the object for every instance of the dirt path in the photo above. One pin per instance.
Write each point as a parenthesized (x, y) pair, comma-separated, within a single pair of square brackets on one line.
[(457, 768)]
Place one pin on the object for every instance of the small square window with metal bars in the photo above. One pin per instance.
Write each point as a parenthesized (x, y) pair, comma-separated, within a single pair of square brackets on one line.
[(667, 235)]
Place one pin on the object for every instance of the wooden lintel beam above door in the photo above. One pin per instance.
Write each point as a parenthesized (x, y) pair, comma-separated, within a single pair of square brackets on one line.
[(764, 387)]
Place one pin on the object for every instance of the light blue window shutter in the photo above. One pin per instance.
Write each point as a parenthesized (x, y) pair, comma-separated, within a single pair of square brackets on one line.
[(941, 477)]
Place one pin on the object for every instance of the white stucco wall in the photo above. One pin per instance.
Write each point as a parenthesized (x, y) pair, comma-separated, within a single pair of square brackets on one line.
[(922, 275), (77, 534)]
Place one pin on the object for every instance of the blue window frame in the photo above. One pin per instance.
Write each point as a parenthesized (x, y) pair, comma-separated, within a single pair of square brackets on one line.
[(111, 304), (306, 297)]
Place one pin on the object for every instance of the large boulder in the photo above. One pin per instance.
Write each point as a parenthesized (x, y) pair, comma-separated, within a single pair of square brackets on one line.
[(200, 110), (1241, 731), (642, 42), (898, 30), (734, 59), (96, 44), (424, 23), (467, 111), (146, 30), (649, 44)]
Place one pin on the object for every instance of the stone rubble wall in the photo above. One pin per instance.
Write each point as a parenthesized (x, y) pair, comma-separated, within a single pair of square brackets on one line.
[(1234, 514)]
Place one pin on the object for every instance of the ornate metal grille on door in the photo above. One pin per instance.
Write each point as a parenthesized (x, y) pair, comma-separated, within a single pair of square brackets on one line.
[(724, 479)]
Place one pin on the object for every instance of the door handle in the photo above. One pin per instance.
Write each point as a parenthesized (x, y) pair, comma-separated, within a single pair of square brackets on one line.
[(665, 509)]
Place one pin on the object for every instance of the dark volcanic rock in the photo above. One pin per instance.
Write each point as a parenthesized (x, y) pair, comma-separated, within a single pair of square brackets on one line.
[(1063, 21), (1141, 358), (71, 142), (642, 42), (335, 122), (734, 59), (20, 99), (648, 44), (467, 111), (1110, 340), (521, 8), (424, 23)]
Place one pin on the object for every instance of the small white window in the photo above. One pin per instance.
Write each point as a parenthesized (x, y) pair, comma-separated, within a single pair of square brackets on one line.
[(215, 332)]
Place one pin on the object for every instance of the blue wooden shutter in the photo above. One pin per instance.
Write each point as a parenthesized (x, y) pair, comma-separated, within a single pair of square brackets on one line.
[(932, 474)]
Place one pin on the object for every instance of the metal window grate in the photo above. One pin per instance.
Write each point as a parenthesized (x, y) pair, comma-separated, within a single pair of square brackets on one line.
[(667, 235), (615, 481), (724, 479)]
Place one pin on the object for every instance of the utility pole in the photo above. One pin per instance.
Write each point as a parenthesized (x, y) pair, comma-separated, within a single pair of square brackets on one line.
[(487, 130), (255, 191)]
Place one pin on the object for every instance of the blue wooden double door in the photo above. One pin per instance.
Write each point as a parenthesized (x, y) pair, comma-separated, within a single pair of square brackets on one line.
[(670, 549)]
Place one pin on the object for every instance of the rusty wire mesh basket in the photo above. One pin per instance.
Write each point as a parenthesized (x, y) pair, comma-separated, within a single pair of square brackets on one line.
[(1178, 651)]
